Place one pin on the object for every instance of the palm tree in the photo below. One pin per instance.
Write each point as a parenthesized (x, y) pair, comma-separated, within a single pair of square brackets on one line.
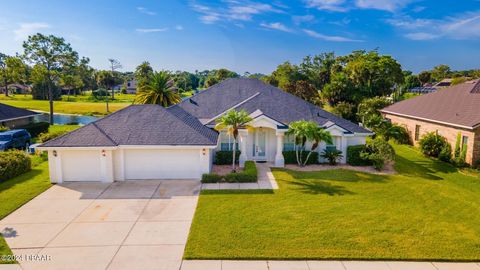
[(232, 121), (158, 89), (304, 131)]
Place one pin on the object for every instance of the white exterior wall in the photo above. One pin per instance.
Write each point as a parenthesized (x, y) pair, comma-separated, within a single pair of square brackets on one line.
[(108, 165)]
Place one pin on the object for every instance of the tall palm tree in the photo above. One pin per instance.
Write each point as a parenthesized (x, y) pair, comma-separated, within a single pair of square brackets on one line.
[(304, 131), (232, 121), (158, 89)]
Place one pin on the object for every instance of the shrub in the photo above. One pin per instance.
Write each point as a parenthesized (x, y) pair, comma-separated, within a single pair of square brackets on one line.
[(36, 128), (446, 153), (291, 158), (51, 135), (248, 175), (332, 155), (100, 93), (354, 158), (211, 178), (432, 144), (13, 163), (378, 151), (225, 157)]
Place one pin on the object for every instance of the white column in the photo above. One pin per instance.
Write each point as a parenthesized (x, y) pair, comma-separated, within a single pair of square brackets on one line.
[(243, 135), (58, 167), (279, 160), (344, 150), (106, 166)]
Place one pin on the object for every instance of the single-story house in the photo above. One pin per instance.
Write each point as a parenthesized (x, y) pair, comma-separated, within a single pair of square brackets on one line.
[(179, 142), (13, 117), (450, 111)]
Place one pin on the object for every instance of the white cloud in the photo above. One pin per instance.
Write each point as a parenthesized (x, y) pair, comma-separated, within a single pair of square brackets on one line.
[(464, 26), (329, 38), (233, 11), (346, 5), (27, 29), (421, 36), (146, 11), (387, 5), (151, 30), (276, 26), (179, 27), (331, 5), (303, 19)]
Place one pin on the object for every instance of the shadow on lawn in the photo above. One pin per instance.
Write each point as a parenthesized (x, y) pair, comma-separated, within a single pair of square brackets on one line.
[(320, 187), (426, 169), (4, 185)]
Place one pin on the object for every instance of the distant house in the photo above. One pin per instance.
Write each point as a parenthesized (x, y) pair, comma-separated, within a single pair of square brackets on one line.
[(16, 88), (443, 83), (423, 90), (131, 86), (13, 117), (451, 111)]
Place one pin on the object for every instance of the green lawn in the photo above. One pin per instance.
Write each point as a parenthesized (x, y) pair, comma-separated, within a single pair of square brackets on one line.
[(19, 190), (429, 211)]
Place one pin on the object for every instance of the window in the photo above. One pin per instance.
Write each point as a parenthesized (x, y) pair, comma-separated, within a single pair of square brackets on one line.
[(464, 141), (226, 142), (289, 143), (417, 132)]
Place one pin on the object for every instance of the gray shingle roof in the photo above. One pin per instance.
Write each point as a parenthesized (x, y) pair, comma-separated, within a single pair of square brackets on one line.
[(8, 112), (140, 125), (252, 95), (457, 105)]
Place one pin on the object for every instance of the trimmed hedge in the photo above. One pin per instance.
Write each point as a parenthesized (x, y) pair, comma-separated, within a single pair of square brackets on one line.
[(291, 158), (354, 158), (225, 157), (248, 175), (36, 128), (13, 163)]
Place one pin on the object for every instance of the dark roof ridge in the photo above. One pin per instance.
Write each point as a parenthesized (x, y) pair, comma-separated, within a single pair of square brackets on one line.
[(103, 132)]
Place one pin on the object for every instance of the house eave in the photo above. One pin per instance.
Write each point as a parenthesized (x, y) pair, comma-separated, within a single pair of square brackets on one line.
[(431, 120)]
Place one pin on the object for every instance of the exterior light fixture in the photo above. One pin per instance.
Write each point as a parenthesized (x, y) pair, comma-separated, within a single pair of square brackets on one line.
[(204, 151), (54, 152), (104, 153)]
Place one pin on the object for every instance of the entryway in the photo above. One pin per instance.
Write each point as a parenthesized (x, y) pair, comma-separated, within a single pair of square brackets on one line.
[(260, 145)]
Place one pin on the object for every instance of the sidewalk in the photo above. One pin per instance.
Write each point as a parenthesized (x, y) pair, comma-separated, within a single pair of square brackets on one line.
[(324, 265)]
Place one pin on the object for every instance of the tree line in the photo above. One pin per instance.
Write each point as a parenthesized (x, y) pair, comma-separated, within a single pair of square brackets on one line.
[(339, 84)]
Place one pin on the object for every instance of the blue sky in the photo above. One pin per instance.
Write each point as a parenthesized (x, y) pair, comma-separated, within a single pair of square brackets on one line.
[(252, 36)]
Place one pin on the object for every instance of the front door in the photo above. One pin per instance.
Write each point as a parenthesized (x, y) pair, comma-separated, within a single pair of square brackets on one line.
[(259, 150)]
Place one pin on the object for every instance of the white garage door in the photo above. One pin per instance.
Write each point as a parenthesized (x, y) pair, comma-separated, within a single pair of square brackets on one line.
[(162, 164), (81, 165)]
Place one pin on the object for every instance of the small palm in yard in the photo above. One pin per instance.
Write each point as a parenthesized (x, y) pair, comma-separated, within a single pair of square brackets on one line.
[(304, 131), (332, 155), (232, 121), (159, 88)]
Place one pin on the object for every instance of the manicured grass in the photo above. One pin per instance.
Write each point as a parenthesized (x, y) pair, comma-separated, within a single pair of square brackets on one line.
[(428, 211), (77, 105), (18, 191)]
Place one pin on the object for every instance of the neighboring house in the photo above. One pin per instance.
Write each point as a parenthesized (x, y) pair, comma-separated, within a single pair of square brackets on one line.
[(17, 88), (449, 111), (13, 117), (152, 142), (131, 86), (443, 83)]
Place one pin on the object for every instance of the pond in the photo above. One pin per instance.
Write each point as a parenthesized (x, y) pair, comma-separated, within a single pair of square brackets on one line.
[(65, 119)]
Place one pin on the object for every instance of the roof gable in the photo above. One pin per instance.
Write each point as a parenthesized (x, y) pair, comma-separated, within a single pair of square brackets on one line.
[(252, 95), (140, 125)]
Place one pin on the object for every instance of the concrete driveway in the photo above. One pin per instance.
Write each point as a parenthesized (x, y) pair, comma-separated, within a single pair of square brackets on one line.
[(123, 225)]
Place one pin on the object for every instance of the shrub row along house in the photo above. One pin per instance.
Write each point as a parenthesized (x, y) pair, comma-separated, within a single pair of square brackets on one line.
[(453, 112), (179, 142)]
